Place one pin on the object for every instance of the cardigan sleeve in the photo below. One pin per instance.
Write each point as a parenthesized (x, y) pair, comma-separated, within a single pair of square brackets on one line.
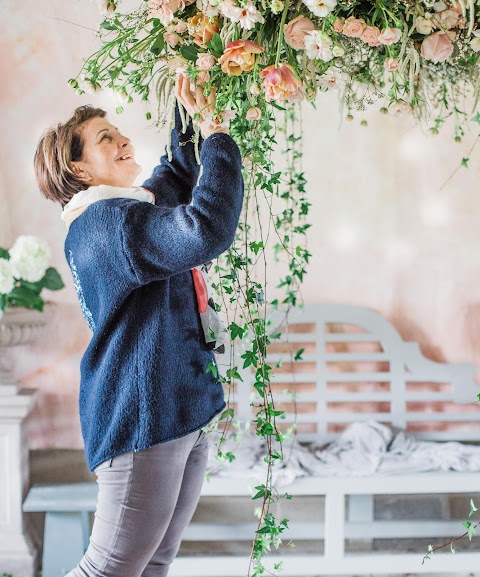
[(172, 181), (159, 241)]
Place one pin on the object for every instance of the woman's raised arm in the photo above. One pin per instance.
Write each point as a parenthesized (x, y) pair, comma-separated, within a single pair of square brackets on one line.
[(172, 181)]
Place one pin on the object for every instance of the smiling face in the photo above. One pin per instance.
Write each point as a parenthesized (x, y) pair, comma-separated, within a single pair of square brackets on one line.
[(108, 156)]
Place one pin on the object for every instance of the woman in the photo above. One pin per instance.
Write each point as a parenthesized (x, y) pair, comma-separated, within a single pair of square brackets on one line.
[(145, 392)]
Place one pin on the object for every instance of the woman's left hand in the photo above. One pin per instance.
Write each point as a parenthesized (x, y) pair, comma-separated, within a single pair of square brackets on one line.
[(193, 99)]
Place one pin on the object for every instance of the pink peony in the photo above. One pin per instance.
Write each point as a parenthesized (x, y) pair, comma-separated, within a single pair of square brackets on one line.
[(339, 24), (281, 84), (437, 47), (294, 32), (354, 27), (390, 36), (253, 114), (205, 61), (390, 64), (371, 35)]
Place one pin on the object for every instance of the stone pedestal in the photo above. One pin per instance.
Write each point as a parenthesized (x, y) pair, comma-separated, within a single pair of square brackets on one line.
[(18, 554)]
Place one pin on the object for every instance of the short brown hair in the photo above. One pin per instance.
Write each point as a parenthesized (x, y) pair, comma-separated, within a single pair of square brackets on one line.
[(57, 147)]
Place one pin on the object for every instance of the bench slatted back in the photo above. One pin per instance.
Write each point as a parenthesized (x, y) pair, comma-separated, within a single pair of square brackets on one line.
[(355, 366)]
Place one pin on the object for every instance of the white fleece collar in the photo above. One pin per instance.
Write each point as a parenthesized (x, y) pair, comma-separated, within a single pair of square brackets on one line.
[(86, 197)]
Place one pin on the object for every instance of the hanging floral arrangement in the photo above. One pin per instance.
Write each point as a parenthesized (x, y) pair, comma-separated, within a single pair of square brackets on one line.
[(264, 57)]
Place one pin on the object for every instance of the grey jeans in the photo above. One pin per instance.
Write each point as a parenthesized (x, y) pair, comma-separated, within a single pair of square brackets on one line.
[(145, 501)]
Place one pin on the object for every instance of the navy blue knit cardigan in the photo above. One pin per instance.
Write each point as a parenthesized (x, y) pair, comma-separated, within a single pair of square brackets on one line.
[(143, 375)]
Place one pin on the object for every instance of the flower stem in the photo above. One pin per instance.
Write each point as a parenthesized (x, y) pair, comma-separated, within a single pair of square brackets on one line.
[(280, 34)]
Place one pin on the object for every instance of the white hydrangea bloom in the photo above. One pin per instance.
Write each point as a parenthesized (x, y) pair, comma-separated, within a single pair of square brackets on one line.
[(333, 78), (320, 7), (318, 45), (29, 258), (7, 282)]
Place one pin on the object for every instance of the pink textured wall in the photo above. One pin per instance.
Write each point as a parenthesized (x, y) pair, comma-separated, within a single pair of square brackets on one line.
[(383, 235)]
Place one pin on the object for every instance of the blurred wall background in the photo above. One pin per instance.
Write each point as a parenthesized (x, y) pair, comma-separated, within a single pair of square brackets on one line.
[(384, 235)]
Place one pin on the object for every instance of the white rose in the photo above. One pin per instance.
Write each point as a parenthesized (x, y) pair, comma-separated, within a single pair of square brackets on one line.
[(29, 257), (7, 282), (475, 42), (439, 6)]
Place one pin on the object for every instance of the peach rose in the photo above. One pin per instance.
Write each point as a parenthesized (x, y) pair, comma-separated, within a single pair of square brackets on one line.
[(354, 27), (294, 32), (371, 35), (202, 29), (281, 84), (253, 114), (239, 56), (437, 47), (390, 36), (390, 64), (339, 24), (205, 61)]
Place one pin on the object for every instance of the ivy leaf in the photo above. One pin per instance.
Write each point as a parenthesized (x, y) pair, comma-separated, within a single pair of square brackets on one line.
[(4, 253), (472, 508), (189, 52), (212, 368), (227, 413), (298, 355), (464, 162), (476, 118)]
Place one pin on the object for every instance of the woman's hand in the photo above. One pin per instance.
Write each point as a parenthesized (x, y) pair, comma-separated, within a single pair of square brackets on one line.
[(193, 100)]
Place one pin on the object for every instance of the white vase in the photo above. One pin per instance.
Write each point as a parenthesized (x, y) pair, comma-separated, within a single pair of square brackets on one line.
[(18, 552)]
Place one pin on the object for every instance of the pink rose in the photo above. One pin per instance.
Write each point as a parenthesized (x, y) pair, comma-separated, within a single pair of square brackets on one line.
[(371, 34), (171, 38), (390, 36), (181, 27), (203, 77), (253, 114), (354, 27), (205, 61), (399, 108), (339, 23), (437, 47), (390, 64), (446, 19), (294, 32), (457, 7)]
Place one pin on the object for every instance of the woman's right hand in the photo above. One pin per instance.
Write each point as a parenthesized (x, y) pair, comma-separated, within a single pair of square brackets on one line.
[(193, 100)]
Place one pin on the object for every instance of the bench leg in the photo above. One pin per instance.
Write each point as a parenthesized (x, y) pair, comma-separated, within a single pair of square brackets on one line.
[(63, 543)]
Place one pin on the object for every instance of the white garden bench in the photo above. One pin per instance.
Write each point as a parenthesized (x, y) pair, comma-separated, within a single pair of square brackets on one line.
[(332, 337)]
